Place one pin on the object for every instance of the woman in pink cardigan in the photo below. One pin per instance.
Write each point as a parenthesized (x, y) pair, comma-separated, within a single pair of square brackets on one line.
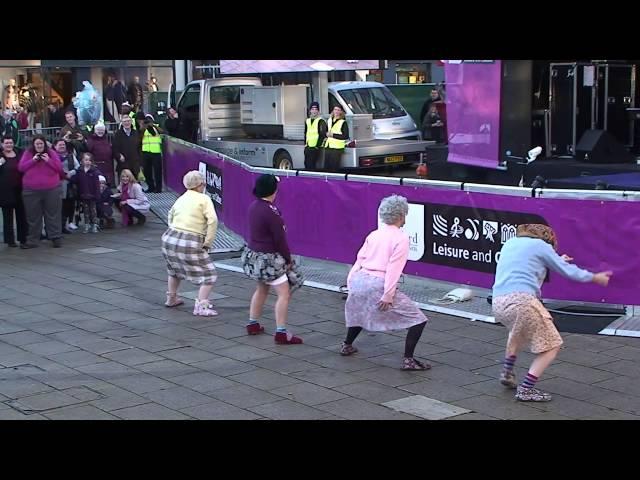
[(42, 192), (374, 302)]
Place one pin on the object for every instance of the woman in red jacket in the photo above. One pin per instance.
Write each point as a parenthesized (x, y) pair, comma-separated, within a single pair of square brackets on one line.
[(98, 145)]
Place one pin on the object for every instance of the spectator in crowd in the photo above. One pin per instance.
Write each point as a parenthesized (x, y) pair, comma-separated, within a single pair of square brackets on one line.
[(22, 118), (70, 166), (115, 95), (131, 200), (174, 125), (186, 244), (140, 119), (98, 145), (72, 132), (126, 147), (11, 194), (127, 109), (104, 206), (433, 126), (41, 192), (88, 182), (524, 262), (426, 106), (10, 126), (374, 302), (135, 94), (152, 154), (267, 259), (56, 117)]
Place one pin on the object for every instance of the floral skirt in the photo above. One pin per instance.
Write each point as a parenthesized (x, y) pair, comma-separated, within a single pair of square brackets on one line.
[(268, 267), (361, 309), (530, 324)]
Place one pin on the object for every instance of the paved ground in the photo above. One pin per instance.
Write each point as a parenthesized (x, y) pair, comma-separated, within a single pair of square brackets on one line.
[(85, 336)]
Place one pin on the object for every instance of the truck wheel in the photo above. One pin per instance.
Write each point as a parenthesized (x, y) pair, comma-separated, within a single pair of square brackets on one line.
[(283, 161)]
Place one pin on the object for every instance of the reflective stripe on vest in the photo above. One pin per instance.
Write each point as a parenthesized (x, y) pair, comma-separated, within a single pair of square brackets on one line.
[(312, 132), (150, 143), (335, 128)]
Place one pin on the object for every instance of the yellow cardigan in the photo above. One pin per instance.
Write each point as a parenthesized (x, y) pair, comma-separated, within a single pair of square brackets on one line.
[(193, 212)]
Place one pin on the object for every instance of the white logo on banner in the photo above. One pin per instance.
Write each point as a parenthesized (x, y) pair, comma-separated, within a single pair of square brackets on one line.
[(489, 229), (440, 226), (507, 231), (456, 229), (472, 232), (414, 227), (202, 168)]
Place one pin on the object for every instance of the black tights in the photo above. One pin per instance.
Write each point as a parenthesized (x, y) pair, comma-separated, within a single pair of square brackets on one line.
[(413, 335)]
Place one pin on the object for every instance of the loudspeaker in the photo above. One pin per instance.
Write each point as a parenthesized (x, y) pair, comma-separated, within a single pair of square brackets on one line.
[(599, 146)]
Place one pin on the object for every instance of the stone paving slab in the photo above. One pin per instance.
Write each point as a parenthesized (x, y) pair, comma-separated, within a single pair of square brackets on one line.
[(92, 340)]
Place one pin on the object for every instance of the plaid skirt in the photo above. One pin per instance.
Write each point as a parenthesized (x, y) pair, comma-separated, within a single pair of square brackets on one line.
[(186, 259)]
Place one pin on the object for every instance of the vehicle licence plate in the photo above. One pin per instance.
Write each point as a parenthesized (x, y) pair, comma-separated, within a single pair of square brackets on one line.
[(394, 159)]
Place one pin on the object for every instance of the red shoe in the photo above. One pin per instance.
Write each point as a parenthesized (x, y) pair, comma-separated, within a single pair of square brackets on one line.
[(286, 338), (254, 329)]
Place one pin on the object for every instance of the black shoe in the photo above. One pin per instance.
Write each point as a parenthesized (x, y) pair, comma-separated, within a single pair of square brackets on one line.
[(142, 221), (43, 237), (27, 246), (57, 242), (66, 231), (12, 244)]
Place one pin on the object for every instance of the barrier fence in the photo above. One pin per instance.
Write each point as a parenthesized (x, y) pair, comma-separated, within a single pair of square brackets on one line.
[(456, 230)]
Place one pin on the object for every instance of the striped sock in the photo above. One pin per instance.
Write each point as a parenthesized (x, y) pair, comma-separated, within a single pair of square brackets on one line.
[(529, 381), (509, 362), (281, 329), (252, 321)]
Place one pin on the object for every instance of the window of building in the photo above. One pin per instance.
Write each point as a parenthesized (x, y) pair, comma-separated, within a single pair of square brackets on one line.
[(409, 73)]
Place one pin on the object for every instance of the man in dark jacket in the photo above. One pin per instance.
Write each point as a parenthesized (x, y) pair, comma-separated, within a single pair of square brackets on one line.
[(174, 125), (9, 127), (56, 119), (72, 133), (127, 146)]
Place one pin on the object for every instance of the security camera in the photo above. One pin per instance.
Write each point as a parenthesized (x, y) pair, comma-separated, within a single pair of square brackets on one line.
[(533, 154)]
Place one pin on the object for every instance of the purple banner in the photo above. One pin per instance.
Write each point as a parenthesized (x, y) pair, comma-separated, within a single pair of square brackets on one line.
[(455, 236), (473, 111)]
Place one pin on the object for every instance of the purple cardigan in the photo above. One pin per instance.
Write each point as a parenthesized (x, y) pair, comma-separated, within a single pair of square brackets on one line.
[(88, 183), (267, 231), (40, 175)]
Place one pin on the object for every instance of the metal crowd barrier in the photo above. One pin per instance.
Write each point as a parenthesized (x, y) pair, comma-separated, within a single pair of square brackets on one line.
[(26, 135)]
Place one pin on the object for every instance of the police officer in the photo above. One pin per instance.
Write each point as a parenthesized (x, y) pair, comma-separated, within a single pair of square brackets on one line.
[(336, 141), (315, 132)]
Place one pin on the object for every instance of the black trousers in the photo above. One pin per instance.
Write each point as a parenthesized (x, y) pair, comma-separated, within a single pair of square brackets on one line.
[(332, 158), (68, 210), (311, 157), (21, 222), (153, 170)]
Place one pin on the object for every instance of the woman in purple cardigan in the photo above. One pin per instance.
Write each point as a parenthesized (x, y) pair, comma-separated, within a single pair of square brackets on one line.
[(98, 145), (42, 192)]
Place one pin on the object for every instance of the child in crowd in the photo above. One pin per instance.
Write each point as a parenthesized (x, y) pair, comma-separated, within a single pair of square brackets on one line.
[(104, 207), (88, 191)]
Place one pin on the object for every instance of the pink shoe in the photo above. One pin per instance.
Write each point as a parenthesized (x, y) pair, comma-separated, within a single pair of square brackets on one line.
[(286, 338), (203, 309)]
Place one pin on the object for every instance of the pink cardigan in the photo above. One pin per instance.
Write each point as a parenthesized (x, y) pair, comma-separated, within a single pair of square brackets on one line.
[(40, 175), (383, 254)]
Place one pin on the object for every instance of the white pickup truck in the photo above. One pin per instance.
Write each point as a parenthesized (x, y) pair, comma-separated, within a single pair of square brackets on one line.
[(227, 115)]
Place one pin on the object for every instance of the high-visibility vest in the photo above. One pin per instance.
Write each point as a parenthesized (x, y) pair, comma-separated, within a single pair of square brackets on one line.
[(132, 116), (335, 128), (312, 132), (150, 143)]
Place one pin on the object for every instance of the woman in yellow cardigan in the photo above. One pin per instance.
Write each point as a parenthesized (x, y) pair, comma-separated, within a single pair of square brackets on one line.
[(187, 241)]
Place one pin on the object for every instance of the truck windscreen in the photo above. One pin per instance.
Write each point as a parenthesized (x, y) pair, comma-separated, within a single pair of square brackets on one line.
[(378, 102)]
